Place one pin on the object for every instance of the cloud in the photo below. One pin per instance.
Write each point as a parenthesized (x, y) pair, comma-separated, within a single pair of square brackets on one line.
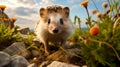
[(74, 6), (47, 1), (44, 3), (25, 23), (23, 11), (73, 1), (30, 2)]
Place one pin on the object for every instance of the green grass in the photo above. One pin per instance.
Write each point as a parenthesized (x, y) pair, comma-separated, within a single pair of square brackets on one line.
[(102, 50)]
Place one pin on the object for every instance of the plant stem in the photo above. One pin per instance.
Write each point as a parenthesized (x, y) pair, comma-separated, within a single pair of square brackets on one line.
[(109, 45), (89, 22), (95, 4), (115, 25), (2, 17), (87, 11), (109, 3)]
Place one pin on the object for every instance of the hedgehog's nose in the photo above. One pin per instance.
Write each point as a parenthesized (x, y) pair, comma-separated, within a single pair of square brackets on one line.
[(55, 30)]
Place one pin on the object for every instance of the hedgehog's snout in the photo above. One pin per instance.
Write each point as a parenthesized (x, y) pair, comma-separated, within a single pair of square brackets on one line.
[(55, 30)]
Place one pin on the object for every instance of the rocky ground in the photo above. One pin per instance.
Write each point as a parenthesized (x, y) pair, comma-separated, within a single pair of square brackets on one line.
[(17, 55)]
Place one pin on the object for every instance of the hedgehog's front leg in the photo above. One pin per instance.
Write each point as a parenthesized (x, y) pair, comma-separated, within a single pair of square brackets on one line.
[(63, 43), (46, 46)]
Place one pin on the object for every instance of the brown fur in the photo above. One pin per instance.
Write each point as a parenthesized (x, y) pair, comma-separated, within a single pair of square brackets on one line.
[(59, 28)]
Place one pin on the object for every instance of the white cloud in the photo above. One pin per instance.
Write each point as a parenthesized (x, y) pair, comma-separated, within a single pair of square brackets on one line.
[(74, 6), (30, 2), (44, 3), (23, 10), (47, 1), (73, 1)]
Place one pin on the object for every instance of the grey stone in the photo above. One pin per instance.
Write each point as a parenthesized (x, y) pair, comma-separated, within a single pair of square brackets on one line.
[(24, 30), (35, 53), (37, 42), (75, 51), (24, 35), (4, 59), (32, 65), (45, 64), (18, 61), (6, 19), (84, 66), (60, 64), (17, 47)]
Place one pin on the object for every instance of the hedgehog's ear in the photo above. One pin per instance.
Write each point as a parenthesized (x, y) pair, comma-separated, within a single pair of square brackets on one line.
[(66, 11), (42, 12)]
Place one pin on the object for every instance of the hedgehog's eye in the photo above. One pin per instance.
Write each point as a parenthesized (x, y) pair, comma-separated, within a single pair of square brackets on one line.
[(61, 21), (48, 21)]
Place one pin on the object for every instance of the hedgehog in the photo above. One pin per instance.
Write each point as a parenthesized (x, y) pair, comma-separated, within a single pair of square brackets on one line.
[(54, 25)]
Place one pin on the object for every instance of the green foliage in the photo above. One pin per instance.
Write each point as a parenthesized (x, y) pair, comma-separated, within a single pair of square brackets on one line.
[(9, 36), (29, 42), (102, 50)]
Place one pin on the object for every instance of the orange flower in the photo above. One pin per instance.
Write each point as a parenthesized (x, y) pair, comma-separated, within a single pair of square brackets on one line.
[(94, 30), (84, 3), (2, 7), (13, 19)]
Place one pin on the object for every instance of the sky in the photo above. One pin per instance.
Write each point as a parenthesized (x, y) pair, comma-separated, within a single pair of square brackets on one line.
[(27, 11)]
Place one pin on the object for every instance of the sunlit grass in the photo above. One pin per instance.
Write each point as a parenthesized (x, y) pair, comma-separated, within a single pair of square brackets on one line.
[(102, 49)]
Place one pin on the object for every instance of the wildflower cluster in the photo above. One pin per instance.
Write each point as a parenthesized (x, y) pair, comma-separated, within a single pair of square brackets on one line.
[(9, 33), (99, 43), (5, 19)]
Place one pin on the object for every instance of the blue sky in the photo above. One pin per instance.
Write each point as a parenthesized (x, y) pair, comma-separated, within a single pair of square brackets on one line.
[(27, 10)]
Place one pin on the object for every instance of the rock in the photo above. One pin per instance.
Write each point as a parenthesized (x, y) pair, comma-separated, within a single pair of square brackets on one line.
[(4, 59), (84, 66), (32, 65), (58, 56), (60, 64), (74, 50), (24, 30), (23, 35), (66, 55), (35, 53), (18, 61), (6, 19), (45, 64), (3, 14), (37, 42), (17, 48)]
